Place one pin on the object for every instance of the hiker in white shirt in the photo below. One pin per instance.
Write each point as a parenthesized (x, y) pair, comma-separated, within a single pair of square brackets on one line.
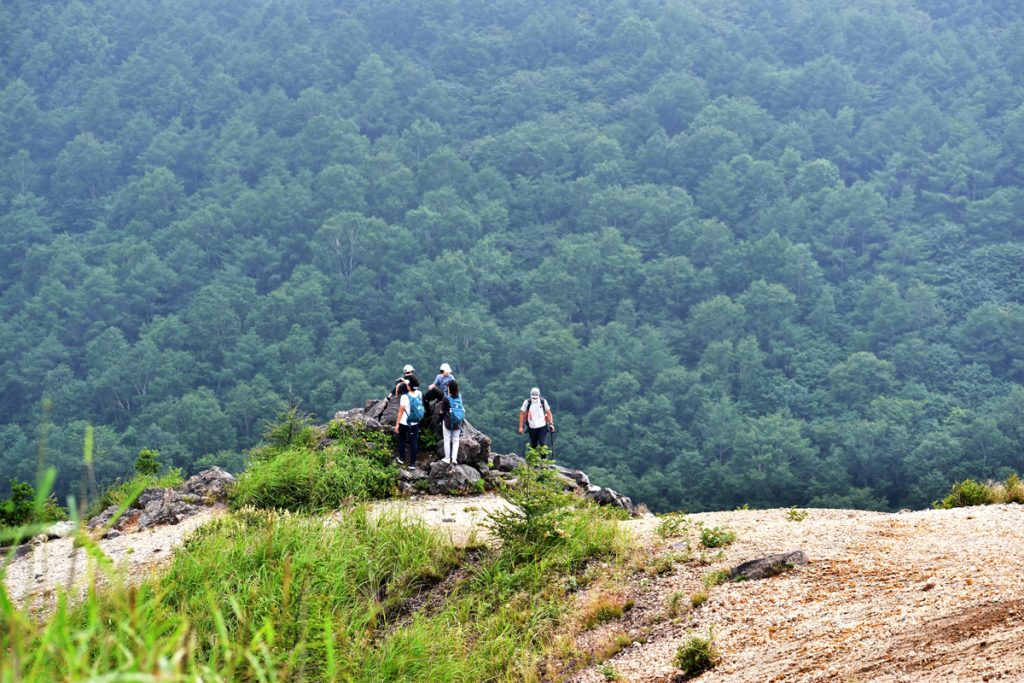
[(536, 413)]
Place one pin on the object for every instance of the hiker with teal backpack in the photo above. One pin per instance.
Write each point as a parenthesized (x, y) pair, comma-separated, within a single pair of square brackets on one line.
[(453, 417), (407, 424), (536, 412)]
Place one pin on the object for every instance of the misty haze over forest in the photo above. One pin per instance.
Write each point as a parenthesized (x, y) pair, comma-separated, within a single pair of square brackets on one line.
[(752, 252)]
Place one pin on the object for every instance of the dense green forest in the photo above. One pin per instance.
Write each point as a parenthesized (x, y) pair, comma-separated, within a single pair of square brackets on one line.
[(752, 251)]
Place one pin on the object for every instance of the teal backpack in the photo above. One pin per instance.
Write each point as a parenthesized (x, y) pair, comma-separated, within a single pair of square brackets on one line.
[(457, 415), (415, 409)]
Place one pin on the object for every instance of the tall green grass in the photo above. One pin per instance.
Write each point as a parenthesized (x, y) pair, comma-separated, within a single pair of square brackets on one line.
[(298, 477), (266, 596), (272, 595)]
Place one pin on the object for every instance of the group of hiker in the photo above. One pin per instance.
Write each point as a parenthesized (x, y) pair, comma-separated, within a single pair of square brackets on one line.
[(443, 395)]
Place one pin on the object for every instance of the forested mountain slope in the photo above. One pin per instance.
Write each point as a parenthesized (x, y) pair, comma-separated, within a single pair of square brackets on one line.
[(763, 252)]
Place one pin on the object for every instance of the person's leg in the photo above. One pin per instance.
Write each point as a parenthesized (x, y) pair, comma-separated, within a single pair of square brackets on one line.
[(446, 440), (456, 437), (402, 432), (536, 436), (414, 444)]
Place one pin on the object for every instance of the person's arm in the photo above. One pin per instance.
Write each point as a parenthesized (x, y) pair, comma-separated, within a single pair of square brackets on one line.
[(548, 417), (522, 416), (401, 412)]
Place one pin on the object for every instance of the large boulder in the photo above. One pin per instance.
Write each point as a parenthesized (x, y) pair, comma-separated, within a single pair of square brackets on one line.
[(448, 478), (508, 462), (155, 506), (768, 566), (606, 496), (210, 486)]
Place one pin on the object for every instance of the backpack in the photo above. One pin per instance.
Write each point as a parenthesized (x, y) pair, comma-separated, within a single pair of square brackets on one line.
[(457, 413), (415, 409), (543, 407)]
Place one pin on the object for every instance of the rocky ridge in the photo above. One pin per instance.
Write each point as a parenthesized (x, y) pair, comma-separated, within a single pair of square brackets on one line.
[(478, 469)]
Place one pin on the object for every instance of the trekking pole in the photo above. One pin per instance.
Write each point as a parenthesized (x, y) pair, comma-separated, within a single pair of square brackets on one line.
[(551, 430)]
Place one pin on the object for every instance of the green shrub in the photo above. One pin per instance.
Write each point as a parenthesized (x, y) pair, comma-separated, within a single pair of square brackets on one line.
[(20, 508), (697, 655), (715, 578), (716, 537), (965, 494), (301, 479), (146, 462), (794, 515), (292, 428), (673, 524), (698, 599)]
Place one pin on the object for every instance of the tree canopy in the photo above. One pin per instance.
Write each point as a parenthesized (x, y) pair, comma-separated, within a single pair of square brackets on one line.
[(764, 252)]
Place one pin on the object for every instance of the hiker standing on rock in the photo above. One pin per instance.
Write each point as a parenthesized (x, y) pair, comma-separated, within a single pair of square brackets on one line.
[(407, 424), (453, 415), (439, 388), (408, 377), (536, 412)]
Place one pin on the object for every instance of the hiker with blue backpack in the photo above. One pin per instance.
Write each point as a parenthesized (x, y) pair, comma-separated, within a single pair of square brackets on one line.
[(407, 424), (536, 412), (453, 417)]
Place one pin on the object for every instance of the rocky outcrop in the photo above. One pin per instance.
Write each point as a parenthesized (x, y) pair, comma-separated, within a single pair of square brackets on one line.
[(476, 462), (154, 507), (768, 566)]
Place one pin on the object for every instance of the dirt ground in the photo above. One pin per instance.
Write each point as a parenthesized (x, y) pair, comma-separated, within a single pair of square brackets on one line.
[(935, 595)]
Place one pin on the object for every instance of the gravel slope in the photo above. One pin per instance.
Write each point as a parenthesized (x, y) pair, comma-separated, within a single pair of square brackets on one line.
[(935, 595)]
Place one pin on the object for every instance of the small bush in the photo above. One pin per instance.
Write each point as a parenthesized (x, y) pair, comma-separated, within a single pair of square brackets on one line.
[(698, 599), (673, 524), (147, 463), (609, 673), (716, 537), (965, 494), (603, 608), (697, 655), (674, 604), (715, 578), (20, 508), (794, 515), (293, 428)]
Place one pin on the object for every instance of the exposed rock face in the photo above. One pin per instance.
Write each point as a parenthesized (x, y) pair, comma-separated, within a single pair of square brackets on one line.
[(448, 478), (768, 566), (476, 462), (153, 507)]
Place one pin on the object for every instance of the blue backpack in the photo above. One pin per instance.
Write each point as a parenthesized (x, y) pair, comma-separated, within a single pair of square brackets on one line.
[(415, 409), (457, 414)]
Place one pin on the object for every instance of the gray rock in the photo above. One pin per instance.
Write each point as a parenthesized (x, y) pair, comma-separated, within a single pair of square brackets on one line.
[(579, 479), (606, 496), (507, 463), (210, 486), (22, 550), (113, 533), (60, 530), (154, 506), (768, 566), (446, 478)]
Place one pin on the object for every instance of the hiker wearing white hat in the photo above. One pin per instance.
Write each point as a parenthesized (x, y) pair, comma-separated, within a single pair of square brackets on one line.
[(439, 388), (408, 378), (536, 413)]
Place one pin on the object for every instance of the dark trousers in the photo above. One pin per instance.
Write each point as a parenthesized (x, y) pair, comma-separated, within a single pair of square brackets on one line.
[(538, 436), (410, 433)]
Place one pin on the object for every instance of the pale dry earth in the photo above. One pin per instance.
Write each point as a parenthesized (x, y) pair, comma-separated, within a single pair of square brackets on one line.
[(35, 579), (934, 595)]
